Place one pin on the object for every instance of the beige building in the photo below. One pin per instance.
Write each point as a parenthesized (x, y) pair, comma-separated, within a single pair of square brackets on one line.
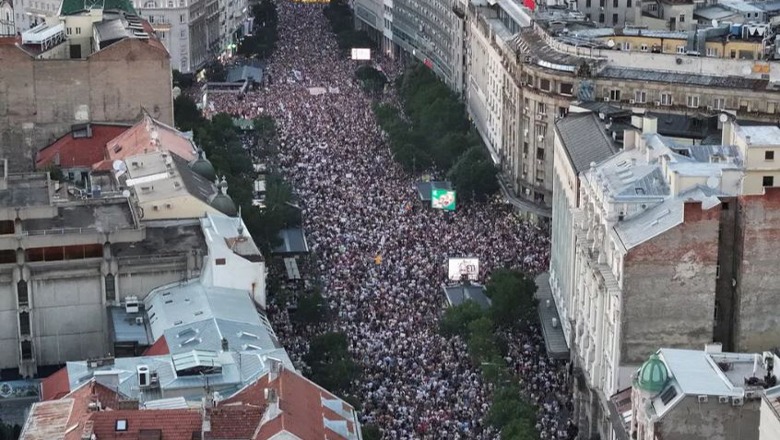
[(116, 69), (769, 425)]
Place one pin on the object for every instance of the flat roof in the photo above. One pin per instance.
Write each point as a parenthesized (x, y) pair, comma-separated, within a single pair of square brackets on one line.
[(722, 82), (293, 242), (106, 217), (172, 239), (126, 329), (760, 135), (25, 190)]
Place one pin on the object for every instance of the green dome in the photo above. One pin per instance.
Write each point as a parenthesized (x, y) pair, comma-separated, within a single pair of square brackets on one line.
[(224, 204), (653, 375), (203, 167)]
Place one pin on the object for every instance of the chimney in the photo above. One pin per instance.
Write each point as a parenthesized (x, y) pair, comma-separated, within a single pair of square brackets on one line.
[(649, 124), (225, 345), (715, 347)]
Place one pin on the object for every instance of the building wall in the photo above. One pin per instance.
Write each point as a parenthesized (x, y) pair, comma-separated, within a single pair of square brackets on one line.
[(691, 420), (680, 314), (9, 323), (604, 11), (172, 27), (181, 207), (725, 292), (769, 424), (113, 85), (484, 87), (758, 280)]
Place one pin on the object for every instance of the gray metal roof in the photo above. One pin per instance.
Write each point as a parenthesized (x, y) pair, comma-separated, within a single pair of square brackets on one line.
[(722, 82), (554, 339), (126, 329), (459, 294), (584, 140), (110, 30), (293, 242)]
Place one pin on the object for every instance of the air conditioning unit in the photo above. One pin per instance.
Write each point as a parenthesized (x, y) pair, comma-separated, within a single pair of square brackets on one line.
[(736, 401), (139, 320), (710, 108), (702, 399), (723, 399), (632, 101), (541, 138), (658, 103)]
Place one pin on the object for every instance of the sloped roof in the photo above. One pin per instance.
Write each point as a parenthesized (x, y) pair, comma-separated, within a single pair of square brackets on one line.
[(584, 140), (56, 385), (173, 424), (69, 151)]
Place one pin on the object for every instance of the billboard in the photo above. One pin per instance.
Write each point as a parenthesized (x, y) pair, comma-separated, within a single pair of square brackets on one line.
[(460, 268), (361, 54), (443, 199)]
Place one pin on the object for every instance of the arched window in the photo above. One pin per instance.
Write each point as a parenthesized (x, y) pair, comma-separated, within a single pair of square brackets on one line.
[(21, 293), (110, 288)]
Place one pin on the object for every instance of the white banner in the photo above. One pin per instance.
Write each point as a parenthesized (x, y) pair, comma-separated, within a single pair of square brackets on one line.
[(460, 267)]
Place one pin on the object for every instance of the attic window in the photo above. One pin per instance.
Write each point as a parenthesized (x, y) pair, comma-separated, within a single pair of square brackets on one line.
[(640, 191), (199, 312), (668, 395), (121, 425), (220, 262), (166, 293), (117, 148), (168, 301), (190, 341), (248, 335), (81, 131)]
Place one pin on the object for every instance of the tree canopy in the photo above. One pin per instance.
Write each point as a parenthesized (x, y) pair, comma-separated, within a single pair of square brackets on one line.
[(474, 175), (512, 296), (330, 362)]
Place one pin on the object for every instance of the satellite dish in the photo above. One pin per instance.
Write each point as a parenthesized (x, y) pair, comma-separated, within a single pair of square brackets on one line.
[(119, 165), (714, 23), (723, 117), (712, 182), (611, 44), (126, 193)]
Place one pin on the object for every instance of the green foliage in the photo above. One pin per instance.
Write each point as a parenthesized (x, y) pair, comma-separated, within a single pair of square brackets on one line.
[(215, 72), (182, 80), (371, 432), (456, 320), (265, 34), (311, 308), (186, 115), (372, 80), (512, 414), (9, 432), (474, 175), (341, 19), (481, 341), (512, 294), (331, 364), (55, 172)]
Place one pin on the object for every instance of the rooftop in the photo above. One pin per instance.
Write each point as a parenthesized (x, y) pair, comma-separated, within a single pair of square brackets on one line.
[(552, 329), (723, 82), (162, 240), (71, 7), (759, 136), (293, 242), (110, 215), (459, 294), (584, 140), (84, 146), (25, 190)]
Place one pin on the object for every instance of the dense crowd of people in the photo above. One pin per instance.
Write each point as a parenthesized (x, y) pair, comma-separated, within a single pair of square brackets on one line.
[(357, 205)]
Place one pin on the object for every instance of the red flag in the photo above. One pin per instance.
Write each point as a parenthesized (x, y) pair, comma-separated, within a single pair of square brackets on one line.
[(530, 4)]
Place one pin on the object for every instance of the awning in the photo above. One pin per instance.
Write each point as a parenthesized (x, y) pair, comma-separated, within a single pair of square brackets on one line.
[(552, 330), (459, 294), (293, 242)]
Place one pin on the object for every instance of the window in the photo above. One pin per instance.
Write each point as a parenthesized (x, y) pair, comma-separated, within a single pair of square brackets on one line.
[(768, 181), (666, 99), (681, 50), (110, 288), (719, 103), (588, 4), (541, 108), (668, 395), (682, 18), (602, 3), (181, 18), (712, 51), (693, 101), (24, 323), (628, 3), (601, 18), (769, 155), (615, 3), (220, 262), (525, 148), (21, 293), (614, 95), (614, 18), (26, 350), (121, 425), (626, 44), (567, 88), (68, 31), (544, 84), (78, 31), (643, 48), (733, 54), (588, 17), (640, 96), (540, 153), (563, 111)]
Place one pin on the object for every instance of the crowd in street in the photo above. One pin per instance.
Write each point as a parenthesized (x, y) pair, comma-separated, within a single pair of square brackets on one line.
[(357, 205)]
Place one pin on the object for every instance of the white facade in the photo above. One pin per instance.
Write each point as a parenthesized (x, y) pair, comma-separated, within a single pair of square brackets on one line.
[(484, 88), (171, 22), (28, 13), (7, 18), (769, 425)]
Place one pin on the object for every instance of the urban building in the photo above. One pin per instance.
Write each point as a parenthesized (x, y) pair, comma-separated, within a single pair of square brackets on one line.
[(769, 425), (280, 404), (694, 394), (7, 18), (117, 68), (678, 215)]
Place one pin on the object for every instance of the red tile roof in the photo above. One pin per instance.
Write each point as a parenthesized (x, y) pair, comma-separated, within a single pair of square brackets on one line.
[(235, 422), (79, 152), (173, 424), (55, 386), (300, 405), (158, 348)]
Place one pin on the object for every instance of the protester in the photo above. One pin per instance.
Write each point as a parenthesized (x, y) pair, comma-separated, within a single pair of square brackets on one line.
[(357, 205)]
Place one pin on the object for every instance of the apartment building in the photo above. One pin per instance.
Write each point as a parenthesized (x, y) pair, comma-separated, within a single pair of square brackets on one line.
[(769, 424), (117, 68), (697, 394)]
